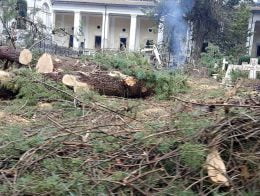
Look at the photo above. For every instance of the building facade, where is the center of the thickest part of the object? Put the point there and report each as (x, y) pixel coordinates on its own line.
(104, 24)
(97, 24)
(253, 42)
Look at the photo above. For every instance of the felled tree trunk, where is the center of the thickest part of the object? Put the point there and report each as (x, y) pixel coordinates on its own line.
(19, 56)
(83, 77)
(103, 82)
(48, 63)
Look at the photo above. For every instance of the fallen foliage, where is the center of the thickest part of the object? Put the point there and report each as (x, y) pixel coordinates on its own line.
(57, 142)
(100, 147)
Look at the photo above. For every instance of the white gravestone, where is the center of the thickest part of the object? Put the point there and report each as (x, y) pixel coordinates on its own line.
(224, 64)
(254, 64)
(253, 67)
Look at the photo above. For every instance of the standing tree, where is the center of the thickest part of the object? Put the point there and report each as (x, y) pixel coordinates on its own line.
(223, 22)
(232, 37)
(15, 20)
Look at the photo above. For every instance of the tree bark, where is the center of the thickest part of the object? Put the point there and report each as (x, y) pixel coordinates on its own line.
(19, 56)
(199, 35)
(105, 83)
(88, 76)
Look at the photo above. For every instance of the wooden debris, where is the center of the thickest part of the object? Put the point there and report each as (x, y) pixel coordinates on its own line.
(79, 87)
(5, 76)
(69, 80)
(104, 83)
(19, 56)
(45, 106)
(216, 168)
(25, 57)
(45, 64)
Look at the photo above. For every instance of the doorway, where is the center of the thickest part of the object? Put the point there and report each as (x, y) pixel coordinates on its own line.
(97, 42)
(123, 43)
(258, 51)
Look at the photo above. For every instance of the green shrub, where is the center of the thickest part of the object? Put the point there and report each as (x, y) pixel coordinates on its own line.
(237, 74)
(244, 59)
(193, 155)
(170, 83)
(33, 91)
(167, 144)
(211, 59)
(166, 83)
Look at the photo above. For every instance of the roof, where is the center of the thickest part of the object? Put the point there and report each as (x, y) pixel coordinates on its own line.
(110, 2)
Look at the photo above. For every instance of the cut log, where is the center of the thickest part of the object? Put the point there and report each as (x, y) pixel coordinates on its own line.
(23, 57)
(78, 87)
(5, 77)
(103, 82)
(83, 77)
(45, 64)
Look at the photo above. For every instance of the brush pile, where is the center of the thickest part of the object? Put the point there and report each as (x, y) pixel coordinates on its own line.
(237, 138)
(57, 140)
(125, 155)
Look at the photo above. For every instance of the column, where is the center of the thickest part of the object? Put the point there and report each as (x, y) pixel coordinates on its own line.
(132, 33)
(87, 32)
(53, 21)
(76, 30)
(105, 30)
(251, 38)
(53, 24)
(1, 24)
(160, 34)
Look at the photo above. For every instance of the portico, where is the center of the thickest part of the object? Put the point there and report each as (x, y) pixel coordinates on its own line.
(103, 26)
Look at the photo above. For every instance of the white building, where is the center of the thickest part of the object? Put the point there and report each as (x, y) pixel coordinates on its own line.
(98, 24)
(254, 28)
(106, 24)
(253, 43)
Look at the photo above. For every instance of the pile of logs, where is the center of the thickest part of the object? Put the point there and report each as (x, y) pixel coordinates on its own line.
(76, 75)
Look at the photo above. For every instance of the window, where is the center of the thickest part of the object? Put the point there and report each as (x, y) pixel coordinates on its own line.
(258, 51)
(150, 30)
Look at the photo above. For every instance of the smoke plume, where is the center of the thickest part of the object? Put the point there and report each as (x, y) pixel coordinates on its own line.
(177, 26)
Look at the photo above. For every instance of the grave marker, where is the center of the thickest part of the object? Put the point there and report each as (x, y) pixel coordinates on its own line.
(253, 67)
